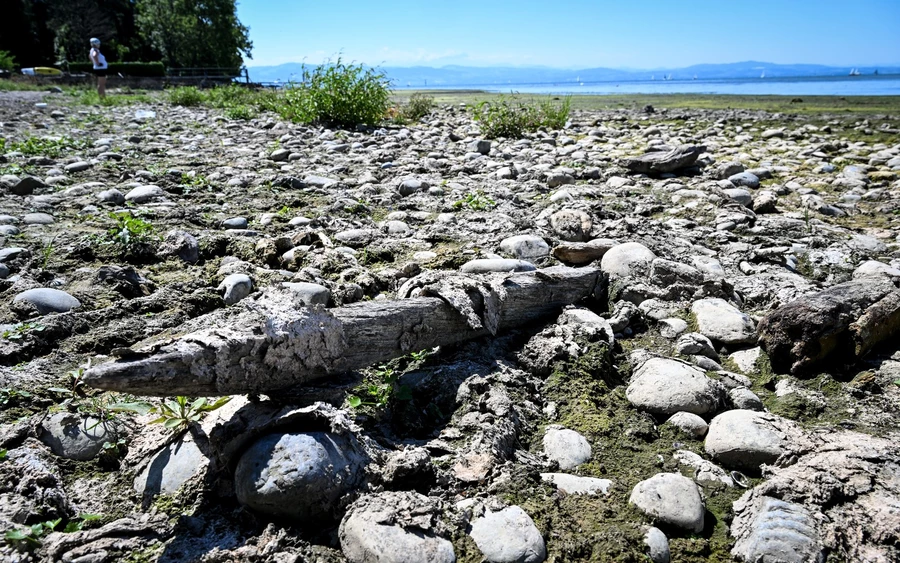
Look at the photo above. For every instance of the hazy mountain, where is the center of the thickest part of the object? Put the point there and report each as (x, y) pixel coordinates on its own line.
(454, 76)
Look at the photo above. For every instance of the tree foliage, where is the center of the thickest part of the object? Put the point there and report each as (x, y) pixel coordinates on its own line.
(182, 33)
(194, 33)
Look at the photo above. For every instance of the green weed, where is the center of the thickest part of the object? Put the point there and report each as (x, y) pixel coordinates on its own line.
(379, 387)
(419, 106)
(475, 200)
(187, 96)
(12, 397)
(50, 147)
(176, 414)
(511, 117)
(129, 231)
(20, 330)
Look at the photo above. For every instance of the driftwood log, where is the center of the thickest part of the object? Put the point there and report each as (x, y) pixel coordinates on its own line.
(269, 343)
(660, 162)
(837, 325)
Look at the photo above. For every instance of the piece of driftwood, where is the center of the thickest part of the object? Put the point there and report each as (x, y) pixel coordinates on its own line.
(662, 162)
(270, 343)
(837, 325)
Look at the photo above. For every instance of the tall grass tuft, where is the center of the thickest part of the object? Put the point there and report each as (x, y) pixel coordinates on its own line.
(187, 96)
(418, 106)
(512, 118)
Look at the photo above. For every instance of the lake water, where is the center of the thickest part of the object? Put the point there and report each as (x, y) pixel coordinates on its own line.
(870, 85)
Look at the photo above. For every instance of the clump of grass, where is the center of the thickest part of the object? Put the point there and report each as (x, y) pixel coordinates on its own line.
(475, 200)
(337, 94)
(511, 117)
(418, 106)
(51, 147)
(187, 96)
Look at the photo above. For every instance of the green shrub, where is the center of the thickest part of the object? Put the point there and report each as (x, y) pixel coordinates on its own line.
(337, 94)
(240, 112)
(187, 96)
(418, 106)
(7, 61)
(511, 117)
(125, 69)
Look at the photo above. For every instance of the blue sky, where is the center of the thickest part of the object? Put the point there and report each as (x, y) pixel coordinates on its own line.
(642, 34)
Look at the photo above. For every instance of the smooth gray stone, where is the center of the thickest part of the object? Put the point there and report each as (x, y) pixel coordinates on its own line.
(10, 253)
(740, 195)
(8, 220)
(744, 439)
(388, 528)
(279, 155)
(509, 536)
(410, 187)
(628, 259)
(77, 437)
(665, 386)
(235, 288)
(658, 545)
(4, 271)
(745, 180)
(396, 227)
(309, 293)
(9, 230)
(525, 247)
(235, 223)
(689, 423)
(47, 300)
(482, 146)
(319, 182)
(566, 447)
(171, 468)
(491, 265)
(111, 195)
(78, 166)
(143, 194)
(672, 499)
(301, 476)
(721, 321)
(38, 219)
(743, 398)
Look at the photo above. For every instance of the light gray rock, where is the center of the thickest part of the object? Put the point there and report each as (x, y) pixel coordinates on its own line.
(111, 195)
(9, 230)
(301, 476)
(874, 268)
(490, 265)
(704, 471)
(572, 225)
(396, 227)
(689, 423)
(279, 155)
(37, 219)
(743, 398)
(509, 536)
(657, 545)
(47, 300)
(746, 360)
(671, 328)
(235, 288)
(721, 321)
(740, 195)
(309, 294)
(671, 499)
(77, 437)
(725, 170)
(566, 447)
(744, 439)
(665, 386)
(394, 527)
(578, 253)
(575, 485)
(695, 343)
(143, 194)
(481, 146)
(410, 187)
(78, 166)
(11, 253)
(628, 259)
(171, 468)
(525, 247)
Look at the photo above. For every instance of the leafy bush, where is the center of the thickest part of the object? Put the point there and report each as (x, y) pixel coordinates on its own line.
(338, 94)
(418, 106)
(7, 61)
(187, 96)
(511, 117)
(126, 69)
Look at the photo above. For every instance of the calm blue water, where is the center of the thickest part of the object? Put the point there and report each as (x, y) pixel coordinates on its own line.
(884, 85)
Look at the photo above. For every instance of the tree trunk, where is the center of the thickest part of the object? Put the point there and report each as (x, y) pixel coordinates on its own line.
(269, 344)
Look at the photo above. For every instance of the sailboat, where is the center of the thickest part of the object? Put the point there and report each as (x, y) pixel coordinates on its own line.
(652, 77)
(763, 75)
(695, 77)
(854, 72)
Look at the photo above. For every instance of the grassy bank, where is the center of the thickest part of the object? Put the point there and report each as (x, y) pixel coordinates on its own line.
(863, 105)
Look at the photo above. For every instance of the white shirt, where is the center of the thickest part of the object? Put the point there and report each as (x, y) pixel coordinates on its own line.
(100, 59)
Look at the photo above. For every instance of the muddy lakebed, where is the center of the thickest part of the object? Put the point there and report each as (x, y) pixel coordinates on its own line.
(666, 334)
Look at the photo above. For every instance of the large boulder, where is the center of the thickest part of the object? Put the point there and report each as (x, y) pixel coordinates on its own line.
(628, 259)
(509, 536)
(837, 325)
(671, 499)
(665, 386)
(745, 439)
(662, 162)
(720, 321)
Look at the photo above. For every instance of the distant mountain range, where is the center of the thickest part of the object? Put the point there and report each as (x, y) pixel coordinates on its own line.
(495, 77)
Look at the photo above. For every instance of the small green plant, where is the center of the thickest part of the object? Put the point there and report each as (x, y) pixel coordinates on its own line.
(187, 96)
(418, 106)
(512, 118)
(475, 200)
(19, 331)
(195, 182)
(7, 61)
(74, 381)
(244, 113)
(12, 397)
(129, 231)
(379, 388)
(51, 147)
(3, 452)
(897, 382)
(176, 414)
(338, 94)
(47, 252)
(107, 407)
(30, 538)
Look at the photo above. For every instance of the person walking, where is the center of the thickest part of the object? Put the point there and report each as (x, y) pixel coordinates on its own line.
(100, 66)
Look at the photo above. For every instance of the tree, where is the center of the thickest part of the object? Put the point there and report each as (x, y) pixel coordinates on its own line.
(198, 33)
(75, 22)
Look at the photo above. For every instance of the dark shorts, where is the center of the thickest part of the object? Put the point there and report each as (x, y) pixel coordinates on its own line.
(100, 71)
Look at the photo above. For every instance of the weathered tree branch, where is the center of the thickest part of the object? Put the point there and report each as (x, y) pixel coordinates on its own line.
(270, 343)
